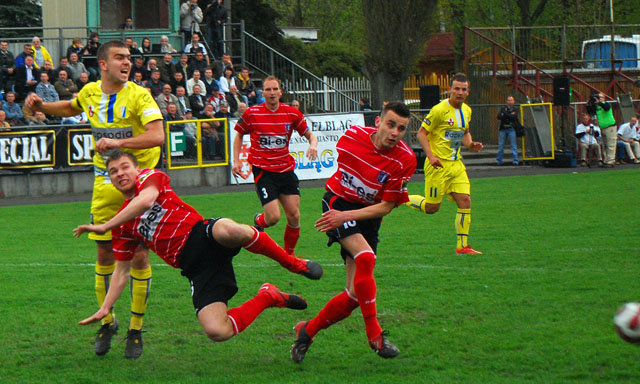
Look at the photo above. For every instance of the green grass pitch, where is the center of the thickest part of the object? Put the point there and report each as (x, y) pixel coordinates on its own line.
(561, 253)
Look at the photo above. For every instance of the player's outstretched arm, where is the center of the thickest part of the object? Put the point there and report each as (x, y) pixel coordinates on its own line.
(332, 219)
(119, 280)
(312, 152)
(62, 108)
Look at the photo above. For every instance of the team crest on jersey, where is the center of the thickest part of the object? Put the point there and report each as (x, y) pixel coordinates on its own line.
(383, 177)
(287, 127)
(451, 122)
(91, 108)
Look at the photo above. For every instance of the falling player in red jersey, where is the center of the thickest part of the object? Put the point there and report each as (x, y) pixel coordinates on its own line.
(374, 166)
(203, 249)
(270, 126)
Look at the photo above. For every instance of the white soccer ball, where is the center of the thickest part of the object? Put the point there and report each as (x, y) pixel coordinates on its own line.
(627, 321)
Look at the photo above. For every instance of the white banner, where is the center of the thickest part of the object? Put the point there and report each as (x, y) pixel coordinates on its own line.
(328, 128)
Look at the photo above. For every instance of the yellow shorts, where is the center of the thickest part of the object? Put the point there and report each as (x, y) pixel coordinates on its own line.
(105, 203)
(438, 182)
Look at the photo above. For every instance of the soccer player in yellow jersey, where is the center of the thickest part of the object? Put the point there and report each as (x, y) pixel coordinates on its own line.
(122, 115)
(443, 132)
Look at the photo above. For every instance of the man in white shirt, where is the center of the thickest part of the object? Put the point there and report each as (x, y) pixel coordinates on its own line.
(588, 134)
(628, 136)
(196, 80)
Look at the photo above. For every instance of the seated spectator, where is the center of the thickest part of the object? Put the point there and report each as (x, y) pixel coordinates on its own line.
(190, 134)
(171, 114)
(145, 47)
(46, 90)
(64, 65)
(183, 66)
(132, 46)
(213, 140)
(76, 67)
(167, 69)
(178, 81)
(26, 78)
(234, 98)
(196, 46)
(183, 100)
(137, 78)
(152, 65)
(242, 107)
(224, 111)
(91, 63)
(12, 109)
(166, 98)
(227, 63)
(165, 47)
(588, 134)
(48, 68)
(4, 124)
(226, 80)
(198, 63)
(39, 119)
(82, 81)
(295, 104)
(65, 86)
(127, 25)
(139, 67)
(154, 84)
(40, 53)
(197, 102)
(7, 66)
(627, 136)
(75, 47)
(210, 83)
(195, 80)
(246, 87)
(20, 59)
(216, 99)
(74, 120)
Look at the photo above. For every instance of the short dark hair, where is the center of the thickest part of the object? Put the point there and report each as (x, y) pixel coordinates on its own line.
(103, 51)
(117, 154)
(398, 107)
(461, 77)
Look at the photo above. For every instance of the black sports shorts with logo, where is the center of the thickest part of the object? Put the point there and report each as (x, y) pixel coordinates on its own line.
(368, 228)
(270, 185)
(207, 265)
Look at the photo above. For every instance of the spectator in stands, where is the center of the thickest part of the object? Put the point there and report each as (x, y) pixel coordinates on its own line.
(183, 66)
(216, 99)
(226, 80)
(216, 16)
(77, 119)
(7, 66)
(178, 81)
(4, 124)
(39, 118)
(190, 133)
(137, 78)
(295, 104)
(82, 81)
(154, 84)
(364, 104)
(242, 107)
(588, 134)
(246, 87)
(165, 47)
(165, 98)
(193, 81)
(198, 63)
(46, 90)
(76, 67)
(234, 98)
(12, 109)
(92, 50)
(26, 78)
(40, 53)
(152, 65)
(195, 45)
(49, 70)
(167, 68)
(132, 46)
(65, 86)
(75, 47)
(171, 114)
(508, 117)
(64, 65)
(197, 101)
(627, 135)
(226, 62)
(139, 67)
(211, 136)
(190, 18)
(183, 100)
(127, 25)
(20, 59)
(145, 47)
(209, 82)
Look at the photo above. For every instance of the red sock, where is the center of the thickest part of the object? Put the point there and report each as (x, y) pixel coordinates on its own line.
(260, 221)
(263, 244)
(365, 286)
(244, 315)
(338, 308)
(291, 236)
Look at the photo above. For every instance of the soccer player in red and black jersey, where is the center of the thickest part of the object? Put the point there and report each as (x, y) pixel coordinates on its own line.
(203, 249)
(374, 167)
(270, 126)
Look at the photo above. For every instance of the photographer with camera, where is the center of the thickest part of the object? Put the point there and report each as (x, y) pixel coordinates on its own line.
(602, 109)
(190, 18)
(508, 117)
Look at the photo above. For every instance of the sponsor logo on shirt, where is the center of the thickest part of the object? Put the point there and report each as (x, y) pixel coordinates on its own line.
(274, 142)
(112, 133)
(351, 182)
(149, 221)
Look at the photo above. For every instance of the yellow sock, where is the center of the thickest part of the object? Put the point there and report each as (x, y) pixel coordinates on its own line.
(103, 278)
(140, 285)
(463, 222)
(416, 202)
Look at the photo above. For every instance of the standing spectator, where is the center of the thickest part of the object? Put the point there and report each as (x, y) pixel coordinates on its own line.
(198, 63)
(4, 124)
(270, 126)
(12, 109)
(209, 82)
(216, 17)
(197, 102)
(193, 81)
(190, 18)
(64, 65)
(46, 90)
(183, 100)
(20, 59)
(26, 78)
(76, 67)
(7, 65)
(167, 69)
(154, 84)
(75, 47)
(627, 135)
(92, 50)
(234, 99)
(607, 124)
(226, 80)
(588, 135)
(508, 117)
(127, 25)
(40, 53)
(246, 87)
(178, 81)
(65, 86)
(166, 98)
(165, 47)
(82, 81)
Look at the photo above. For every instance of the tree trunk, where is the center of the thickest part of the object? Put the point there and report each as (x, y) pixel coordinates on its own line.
(385, 87)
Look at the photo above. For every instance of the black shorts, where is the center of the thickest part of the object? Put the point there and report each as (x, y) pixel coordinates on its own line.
(207, 265)
(270, 185)
(367, 228)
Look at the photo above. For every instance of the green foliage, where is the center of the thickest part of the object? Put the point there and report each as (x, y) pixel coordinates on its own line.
(20, 13)
(260, 20)
(327, 58)
(537, 307)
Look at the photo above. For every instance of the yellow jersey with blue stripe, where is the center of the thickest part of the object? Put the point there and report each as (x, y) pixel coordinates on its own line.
(446, 126)
(119, 116)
